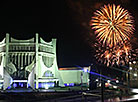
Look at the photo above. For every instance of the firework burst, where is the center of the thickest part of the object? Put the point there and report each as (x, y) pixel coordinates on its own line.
(118, 55)
(113, 25)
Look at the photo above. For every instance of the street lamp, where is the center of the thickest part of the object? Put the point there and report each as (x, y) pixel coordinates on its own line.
(135, 74)
(128, 76)
(108, 81)
(130, 68)
(134, 62)
(117, 81)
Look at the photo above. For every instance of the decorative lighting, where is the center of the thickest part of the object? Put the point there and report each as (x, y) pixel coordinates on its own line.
(135, 74)
(117, 81)
(46, 86)
(130, 63)
(115, 87)
(85, 70)
(130, 68)
(108, 81)
(134, 62)
(96, 80)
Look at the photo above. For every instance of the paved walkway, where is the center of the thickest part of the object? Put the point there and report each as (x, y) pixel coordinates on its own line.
(71, 96)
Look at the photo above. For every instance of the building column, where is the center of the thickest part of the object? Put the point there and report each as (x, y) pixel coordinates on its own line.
(32, 57)
(29, 59)
(25, 56)
(19, 60)
(7, 49)
(12, 58)
(6, 62)
(15, 58)
(37, 66)
(22, 59)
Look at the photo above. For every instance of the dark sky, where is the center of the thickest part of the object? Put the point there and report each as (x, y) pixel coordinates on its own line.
(66, 20)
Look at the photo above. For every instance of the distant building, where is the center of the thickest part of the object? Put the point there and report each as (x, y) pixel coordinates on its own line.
(33, 63)
(75, 76)
(133, 74)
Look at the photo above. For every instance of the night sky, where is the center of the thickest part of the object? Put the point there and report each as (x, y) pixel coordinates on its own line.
(66, 20)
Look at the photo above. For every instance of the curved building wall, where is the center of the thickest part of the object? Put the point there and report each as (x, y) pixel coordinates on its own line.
(33, 60)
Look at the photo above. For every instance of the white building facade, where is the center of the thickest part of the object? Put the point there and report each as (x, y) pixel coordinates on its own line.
(30, 63)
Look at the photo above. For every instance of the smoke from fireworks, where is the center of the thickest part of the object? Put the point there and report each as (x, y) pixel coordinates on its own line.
(113, 25)
(113, 28)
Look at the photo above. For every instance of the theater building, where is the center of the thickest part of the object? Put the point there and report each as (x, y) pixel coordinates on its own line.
(33, 63)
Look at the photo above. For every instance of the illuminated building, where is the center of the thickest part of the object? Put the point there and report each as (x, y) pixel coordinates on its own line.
(31, 63)
(73, 76)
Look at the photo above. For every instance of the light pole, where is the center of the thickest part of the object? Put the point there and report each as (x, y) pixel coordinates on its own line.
(102, 86)
(128, 80)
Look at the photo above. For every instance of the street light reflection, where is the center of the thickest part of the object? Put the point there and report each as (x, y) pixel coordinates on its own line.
(134, 90)
(134, 97)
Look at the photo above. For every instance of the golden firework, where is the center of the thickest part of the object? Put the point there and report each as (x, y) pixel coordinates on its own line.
(113, 25)
(118, 55)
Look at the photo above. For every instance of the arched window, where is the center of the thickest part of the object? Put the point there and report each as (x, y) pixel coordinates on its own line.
(48, 73)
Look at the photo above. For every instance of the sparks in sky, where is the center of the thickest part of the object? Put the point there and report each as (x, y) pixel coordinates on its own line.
(118, 55)
(113, 25)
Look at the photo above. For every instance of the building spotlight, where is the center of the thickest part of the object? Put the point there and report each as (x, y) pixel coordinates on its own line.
(46, 86)
(85, 70)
